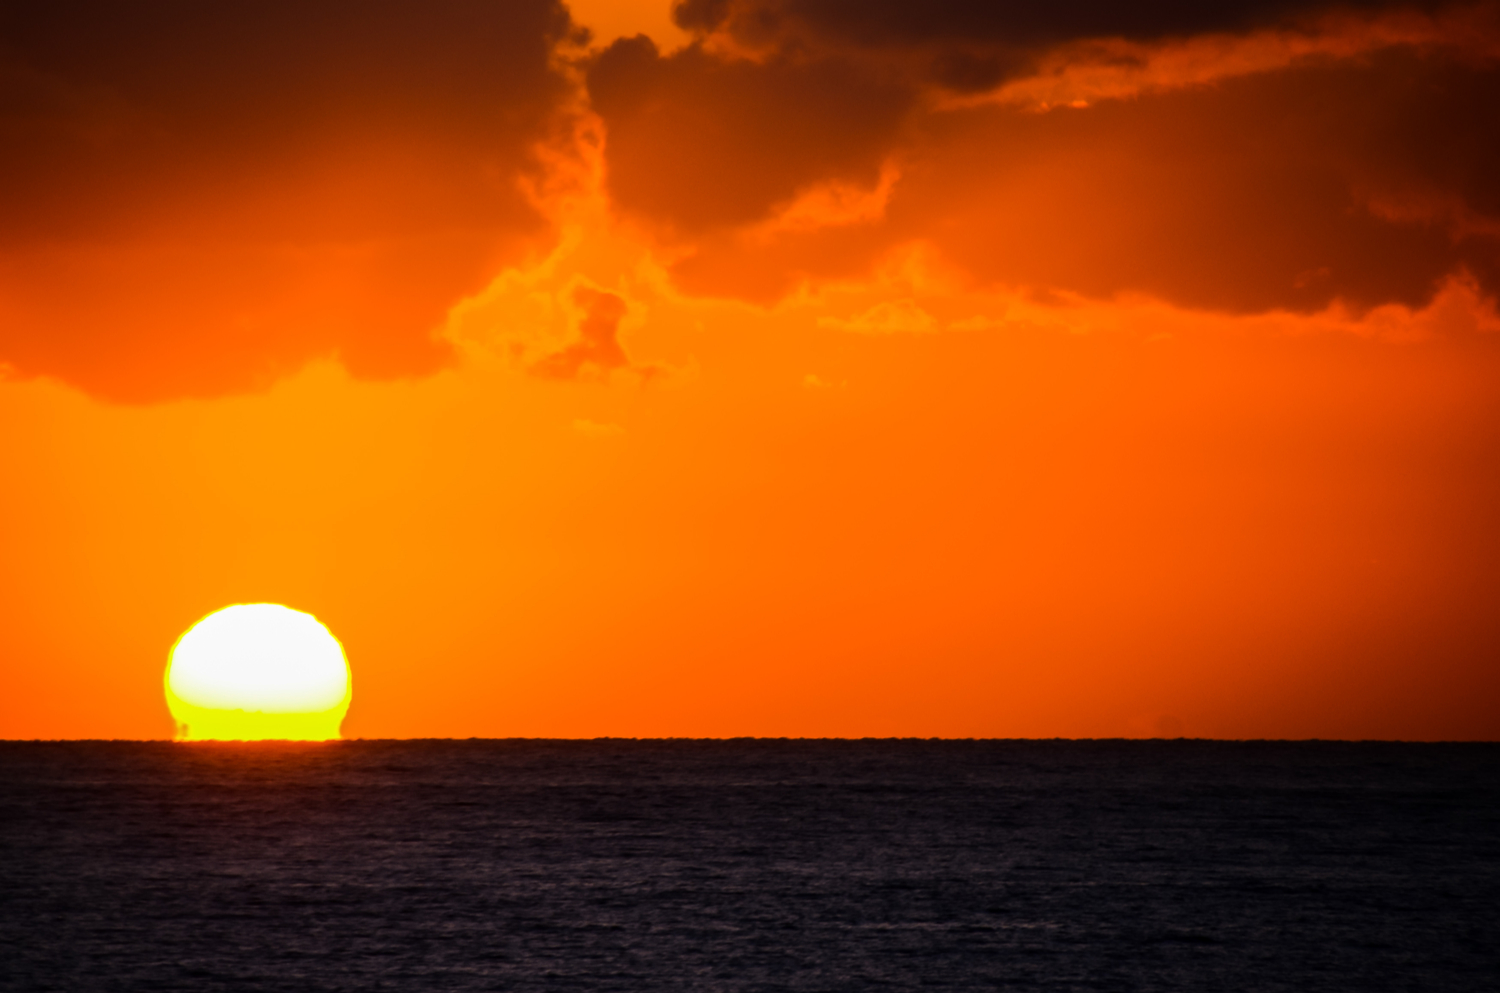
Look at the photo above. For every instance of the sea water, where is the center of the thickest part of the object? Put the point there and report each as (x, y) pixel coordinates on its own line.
(750, 865)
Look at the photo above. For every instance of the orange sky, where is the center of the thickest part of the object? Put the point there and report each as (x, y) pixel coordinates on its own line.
(797, 368)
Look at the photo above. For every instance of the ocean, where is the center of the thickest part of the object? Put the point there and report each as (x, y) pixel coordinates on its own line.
(749, 865)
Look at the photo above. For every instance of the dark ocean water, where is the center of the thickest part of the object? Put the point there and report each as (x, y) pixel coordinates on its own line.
(749, 865)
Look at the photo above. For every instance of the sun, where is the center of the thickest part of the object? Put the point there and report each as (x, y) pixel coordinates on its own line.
(256, 671)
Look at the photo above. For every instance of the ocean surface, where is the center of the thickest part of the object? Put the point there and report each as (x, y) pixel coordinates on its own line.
(750, 865)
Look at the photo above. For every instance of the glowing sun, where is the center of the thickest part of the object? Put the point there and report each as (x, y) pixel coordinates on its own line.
(256, 671)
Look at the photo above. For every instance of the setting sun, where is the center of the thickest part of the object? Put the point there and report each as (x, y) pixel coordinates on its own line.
(258, 671)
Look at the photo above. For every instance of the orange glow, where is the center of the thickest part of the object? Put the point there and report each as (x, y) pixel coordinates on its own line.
(776, 373)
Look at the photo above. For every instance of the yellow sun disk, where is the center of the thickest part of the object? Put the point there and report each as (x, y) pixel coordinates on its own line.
(208, 724)
(256, 672)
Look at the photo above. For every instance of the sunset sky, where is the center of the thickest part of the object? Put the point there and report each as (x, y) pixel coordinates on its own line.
(759, 367)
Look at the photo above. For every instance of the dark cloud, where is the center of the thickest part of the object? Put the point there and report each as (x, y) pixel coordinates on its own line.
(1263, 192)
(1365, 178)
(701, 142)
(972, 45)
(904, 24)
(194, 197)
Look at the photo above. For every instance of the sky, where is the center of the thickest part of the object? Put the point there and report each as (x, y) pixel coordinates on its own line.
(759, 367)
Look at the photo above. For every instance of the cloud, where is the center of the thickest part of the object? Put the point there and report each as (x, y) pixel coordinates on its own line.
(598, 347)
(196, 198)
(700, 142)
(1081, 72)
(1213, 156)
(886, 317)
(1262, 192)
(1086, 48)
(973, 44)
(812, 381)
(597, 429)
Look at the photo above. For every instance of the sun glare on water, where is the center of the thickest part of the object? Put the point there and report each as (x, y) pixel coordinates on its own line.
(258, 671)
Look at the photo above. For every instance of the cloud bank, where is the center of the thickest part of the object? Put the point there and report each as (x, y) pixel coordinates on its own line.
(196, 198)
(1240, 157)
